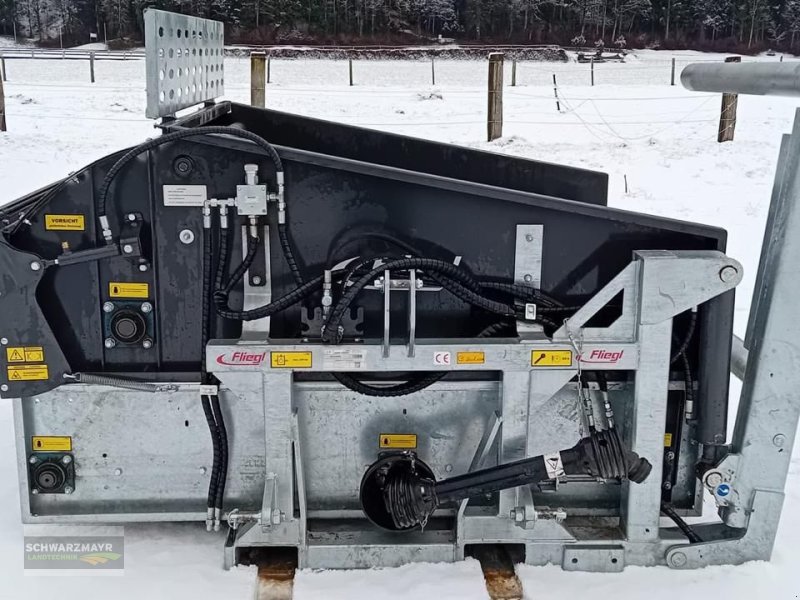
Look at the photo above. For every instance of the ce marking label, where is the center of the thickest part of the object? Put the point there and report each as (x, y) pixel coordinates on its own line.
(442, 359)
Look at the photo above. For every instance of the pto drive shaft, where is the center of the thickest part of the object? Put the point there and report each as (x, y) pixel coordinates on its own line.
(399, 492)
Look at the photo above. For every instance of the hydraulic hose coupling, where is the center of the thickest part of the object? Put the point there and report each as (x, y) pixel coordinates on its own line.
(253, 226)
(107, 236)
(223, 215)
(206, 216)
(281, 199)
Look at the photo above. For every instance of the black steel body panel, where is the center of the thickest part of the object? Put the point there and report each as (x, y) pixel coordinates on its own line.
(341, 183)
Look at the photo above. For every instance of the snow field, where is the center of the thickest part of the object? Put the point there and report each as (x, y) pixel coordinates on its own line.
(657, 142)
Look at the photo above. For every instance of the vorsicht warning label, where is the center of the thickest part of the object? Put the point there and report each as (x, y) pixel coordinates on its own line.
(64, 222)
(28, 373)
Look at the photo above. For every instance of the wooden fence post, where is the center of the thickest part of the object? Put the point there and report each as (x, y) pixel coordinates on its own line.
(351, 71)
(2, 104)
(91, 66)
(495, 115)
(433, 71)
(727, 118)
(672, 77)
(591, 66)
(514, 73)
(258, 78)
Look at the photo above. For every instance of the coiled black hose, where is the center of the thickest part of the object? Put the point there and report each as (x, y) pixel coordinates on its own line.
(430, 265)
(267, 310)
(417, 383)
(222, 475)
(205, 400)
(102, 196)
(288, 253)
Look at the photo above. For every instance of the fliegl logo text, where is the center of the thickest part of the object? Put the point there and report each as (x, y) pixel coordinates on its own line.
(241, 358)
(602, 356)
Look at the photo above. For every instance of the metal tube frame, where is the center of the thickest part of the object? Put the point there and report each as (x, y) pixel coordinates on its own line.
(657, 286)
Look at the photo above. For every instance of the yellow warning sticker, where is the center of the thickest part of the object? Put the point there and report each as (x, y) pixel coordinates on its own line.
(290, 360)
(22, 355)
(398, 441)
(128, 290)
(667, 440)
(64, 222)
(470, 358)
(28, 373)
(51, 443)
(551, 358)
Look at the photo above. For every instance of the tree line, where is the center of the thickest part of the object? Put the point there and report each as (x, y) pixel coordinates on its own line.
(733, 25)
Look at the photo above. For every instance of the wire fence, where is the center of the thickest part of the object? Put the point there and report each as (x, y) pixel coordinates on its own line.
(607, 110)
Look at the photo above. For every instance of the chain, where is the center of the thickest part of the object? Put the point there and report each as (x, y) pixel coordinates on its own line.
(584, 399)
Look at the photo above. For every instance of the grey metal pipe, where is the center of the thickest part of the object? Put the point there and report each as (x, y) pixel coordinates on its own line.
(754, 78)
(739, 356)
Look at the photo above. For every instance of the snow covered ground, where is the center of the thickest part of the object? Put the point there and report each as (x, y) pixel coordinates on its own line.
(657, 142)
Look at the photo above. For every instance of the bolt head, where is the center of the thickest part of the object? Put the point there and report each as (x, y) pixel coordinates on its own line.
(68, 489)
(34, 491)
(528, 278)
(127, 249)
(146, 307)
(256, 280)
(109, 343)
(108, 307)
(728, 273)
(779, 440)
(3, 388)
(186, 236)
(4, 341)
(36, 266)
(678, 559)
(528, 237)
(117, 472)
(131, 217)
(143, 268)
(33, 460)
(147, 344)
(66, 460)
(713, 478)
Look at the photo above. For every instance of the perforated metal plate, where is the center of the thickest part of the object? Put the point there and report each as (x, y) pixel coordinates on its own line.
(185, 57)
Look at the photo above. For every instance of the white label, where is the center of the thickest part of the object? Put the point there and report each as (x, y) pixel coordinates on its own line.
(345, 359)
(554, 466)
(209, 390)
(442, 359)
(185, 195)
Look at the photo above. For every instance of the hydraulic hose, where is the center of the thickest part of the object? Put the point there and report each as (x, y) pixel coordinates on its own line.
(205, 400)
(103, 193)
(222, 476)
(288, 253)
(267, 310)
(417, 383)
(332, 334)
